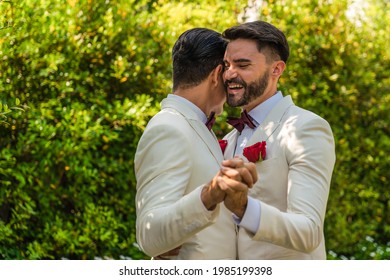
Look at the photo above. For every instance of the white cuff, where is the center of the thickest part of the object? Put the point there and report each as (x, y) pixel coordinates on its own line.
(251, 219)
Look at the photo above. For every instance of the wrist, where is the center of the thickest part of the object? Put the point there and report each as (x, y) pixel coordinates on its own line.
(240, 212)
(207, 198)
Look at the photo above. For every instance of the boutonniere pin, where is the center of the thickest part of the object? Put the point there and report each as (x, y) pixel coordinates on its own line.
(223, 145)
(256, 152)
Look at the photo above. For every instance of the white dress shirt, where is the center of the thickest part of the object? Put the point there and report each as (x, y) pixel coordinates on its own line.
(251, 218)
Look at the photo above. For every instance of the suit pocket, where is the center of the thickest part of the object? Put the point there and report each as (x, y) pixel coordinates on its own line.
(271, 186)
(267, 164)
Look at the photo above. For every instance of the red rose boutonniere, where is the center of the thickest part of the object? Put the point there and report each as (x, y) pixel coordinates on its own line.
(223, 145)
(255, 152)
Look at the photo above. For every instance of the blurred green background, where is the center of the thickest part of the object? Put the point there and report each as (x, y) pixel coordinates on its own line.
(79, 79)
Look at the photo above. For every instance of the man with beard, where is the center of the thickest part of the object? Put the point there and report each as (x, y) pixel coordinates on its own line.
(283, 215)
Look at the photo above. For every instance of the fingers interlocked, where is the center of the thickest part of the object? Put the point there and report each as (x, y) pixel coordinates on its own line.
(246, 171)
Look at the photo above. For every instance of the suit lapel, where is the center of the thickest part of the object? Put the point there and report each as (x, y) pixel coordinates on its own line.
(232, 142)
(208, 137)
(272, 122)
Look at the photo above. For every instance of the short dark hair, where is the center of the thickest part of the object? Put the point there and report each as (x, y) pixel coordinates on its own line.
(196, 53)
(267, 37)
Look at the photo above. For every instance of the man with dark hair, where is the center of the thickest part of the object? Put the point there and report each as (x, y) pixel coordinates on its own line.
(283, 215)
(195, 55)
(179, 167)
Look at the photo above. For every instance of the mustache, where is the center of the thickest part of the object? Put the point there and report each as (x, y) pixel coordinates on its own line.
(236, 81)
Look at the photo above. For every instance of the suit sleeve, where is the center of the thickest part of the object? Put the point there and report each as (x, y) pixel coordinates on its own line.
(310, 154)
(166, 214)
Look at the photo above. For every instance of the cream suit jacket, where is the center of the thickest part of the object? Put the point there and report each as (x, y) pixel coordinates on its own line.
(293, 185)
(175, 157)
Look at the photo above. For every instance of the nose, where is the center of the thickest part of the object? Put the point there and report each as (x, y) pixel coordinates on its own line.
(229, 73)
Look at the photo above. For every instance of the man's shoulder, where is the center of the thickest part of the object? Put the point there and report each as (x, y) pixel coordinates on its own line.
(166, 125)
(301, 117)
(168, 116)
(303, 113)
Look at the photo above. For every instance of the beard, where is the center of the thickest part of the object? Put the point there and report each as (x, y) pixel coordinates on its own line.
(251, 91)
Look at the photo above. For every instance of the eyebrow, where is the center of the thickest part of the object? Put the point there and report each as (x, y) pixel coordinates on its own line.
(240, 60)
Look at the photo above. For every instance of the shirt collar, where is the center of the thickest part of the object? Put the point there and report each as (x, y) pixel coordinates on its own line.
(202, 116)
(260, 112)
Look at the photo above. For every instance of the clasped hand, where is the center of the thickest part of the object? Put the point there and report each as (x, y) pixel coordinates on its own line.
(230, 185)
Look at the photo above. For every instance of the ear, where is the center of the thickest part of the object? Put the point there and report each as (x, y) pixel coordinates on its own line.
(215, 75)
(278, 68)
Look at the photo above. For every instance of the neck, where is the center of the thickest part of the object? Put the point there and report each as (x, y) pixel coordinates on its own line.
(197, 95)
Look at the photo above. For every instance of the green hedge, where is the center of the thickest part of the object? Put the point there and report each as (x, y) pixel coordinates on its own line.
(79, 80)
(67, 180)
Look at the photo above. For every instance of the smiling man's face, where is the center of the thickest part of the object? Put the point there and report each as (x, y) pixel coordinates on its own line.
(246, 75)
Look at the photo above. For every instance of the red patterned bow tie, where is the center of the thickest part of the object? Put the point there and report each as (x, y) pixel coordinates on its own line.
(210, 121)
(239, 123)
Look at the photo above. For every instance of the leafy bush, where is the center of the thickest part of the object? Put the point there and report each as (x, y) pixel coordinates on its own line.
(79, 80)
(89, 75)
(67, 163)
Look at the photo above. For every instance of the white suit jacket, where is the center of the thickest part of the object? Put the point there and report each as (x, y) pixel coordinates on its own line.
(293, 185)
(175, 157)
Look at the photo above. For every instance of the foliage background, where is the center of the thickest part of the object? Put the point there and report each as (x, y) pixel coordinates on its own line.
(80, 79)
